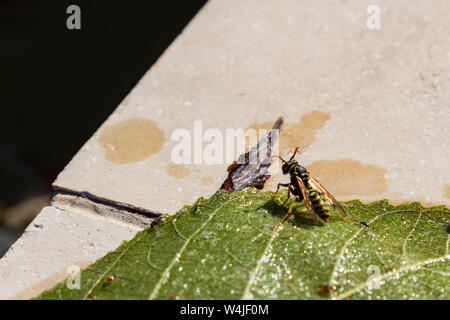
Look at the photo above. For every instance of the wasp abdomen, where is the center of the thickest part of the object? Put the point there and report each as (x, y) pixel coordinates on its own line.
(319, 203)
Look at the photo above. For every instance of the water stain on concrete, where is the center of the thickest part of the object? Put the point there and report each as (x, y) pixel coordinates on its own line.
(177, 171)
(46, 284)
(206, 181)
(303, 133)
(347, 177)
(131, 140)
(446, 190)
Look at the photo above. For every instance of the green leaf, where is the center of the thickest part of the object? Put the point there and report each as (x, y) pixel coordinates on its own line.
(225, 248)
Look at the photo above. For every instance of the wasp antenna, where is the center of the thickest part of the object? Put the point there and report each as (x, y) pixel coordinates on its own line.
(295, 152)
(277, 156)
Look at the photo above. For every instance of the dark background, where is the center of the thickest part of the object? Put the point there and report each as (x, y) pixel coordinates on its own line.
(59, 85)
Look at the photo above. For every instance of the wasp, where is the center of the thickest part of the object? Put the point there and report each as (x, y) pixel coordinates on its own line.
(305, 187)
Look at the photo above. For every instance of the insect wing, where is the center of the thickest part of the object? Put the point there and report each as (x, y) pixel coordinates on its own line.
(316, 185)
(307, 199)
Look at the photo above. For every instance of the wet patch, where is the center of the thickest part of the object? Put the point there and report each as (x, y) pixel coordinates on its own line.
(346, 177)
(303, 133)
(177, 171)
(206, 181)
(446, 190)
(131, 140)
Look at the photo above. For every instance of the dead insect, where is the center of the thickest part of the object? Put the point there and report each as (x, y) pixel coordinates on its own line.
(305, 187)
(110, 278)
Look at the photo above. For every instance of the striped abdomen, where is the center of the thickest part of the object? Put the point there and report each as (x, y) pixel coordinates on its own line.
(320, 204)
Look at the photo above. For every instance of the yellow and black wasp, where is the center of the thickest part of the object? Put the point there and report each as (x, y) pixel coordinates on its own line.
(305, 187)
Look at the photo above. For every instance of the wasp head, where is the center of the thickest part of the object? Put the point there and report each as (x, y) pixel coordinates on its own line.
(289, 165)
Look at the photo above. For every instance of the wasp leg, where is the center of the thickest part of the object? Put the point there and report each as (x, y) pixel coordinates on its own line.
(280, 185)
(288, 195)
(289, 186)
(286, 215)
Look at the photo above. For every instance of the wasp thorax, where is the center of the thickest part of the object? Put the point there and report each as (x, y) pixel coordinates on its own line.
(301, 170)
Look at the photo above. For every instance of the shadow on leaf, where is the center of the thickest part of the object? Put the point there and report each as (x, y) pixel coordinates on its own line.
(301, 217)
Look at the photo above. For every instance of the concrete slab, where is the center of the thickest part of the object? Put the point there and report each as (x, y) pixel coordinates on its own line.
(370, 108)
(55, 244)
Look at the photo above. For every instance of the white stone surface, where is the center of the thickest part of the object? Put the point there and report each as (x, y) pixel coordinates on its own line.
(238, 63)
(54, 241)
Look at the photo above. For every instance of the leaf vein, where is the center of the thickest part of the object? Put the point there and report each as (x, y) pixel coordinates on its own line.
(341, 253)
(109, 269)
(409, 236)
(254, 273)
(166, 272)
(387, 275)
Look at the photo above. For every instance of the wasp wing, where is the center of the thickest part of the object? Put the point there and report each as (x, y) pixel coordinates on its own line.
(307, 199)
(316, 185)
